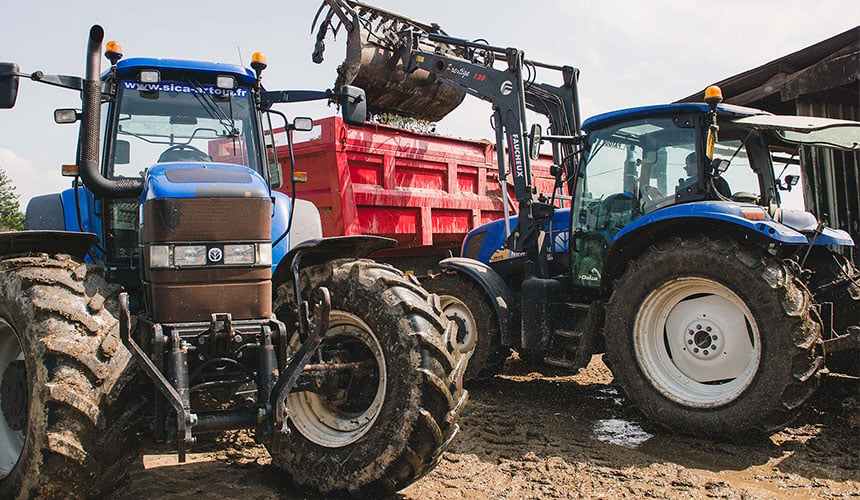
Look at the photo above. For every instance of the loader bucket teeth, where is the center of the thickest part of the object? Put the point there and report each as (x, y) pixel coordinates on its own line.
(373, 63)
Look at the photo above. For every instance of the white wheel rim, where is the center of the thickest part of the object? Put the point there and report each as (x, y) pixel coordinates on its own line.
(11, 440)
(325, 423)
(467, 329)
(697, 342)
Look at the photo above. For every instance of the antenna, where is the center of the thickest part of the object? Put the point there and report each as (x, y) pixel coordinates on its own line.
(239, 50)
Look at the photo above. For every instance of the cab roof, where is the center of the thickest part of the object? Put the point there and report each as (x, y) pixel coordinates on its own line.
(728, 110)
(133, 65)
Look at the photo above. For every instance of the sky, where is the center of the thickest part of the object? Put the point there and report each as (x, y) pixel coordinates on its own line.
(629, 53)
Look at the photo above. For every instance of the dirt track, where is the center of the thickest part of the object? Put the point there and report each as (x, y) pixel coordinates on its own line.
(526, 435)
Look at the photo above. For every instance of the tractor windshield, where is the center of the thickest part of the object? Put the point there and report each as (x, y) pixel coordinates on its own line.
(181, 121)
(636, 167)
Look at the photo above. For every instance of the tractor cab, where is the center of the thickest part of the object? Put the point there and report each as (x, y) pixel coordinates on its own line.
(647, 164)
(177, 125)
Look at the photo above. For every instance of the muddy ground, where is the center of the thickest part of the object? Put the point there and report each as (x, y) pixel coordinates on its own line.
(529, 435)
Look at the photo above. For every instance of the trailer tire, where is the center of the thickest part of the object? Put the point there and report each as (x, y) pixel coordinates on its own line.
(391, 427)
(68, 414)
(478, 335)
(711, 338)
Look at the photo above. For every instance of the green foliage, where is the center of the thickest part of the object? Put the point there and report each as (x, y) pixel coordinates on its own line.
(413, 124)
(11, 216)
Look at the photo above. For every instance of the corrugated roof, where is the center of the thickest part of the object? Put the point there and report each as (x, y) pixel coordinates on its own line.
(849, 42)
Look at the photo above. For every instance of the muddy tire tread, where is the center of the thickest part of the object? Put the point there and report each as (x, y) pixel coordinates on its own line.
(783, 301)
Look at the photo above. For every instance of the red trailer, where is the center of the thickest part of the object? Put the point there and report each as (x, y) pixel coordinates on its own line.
(424, 190)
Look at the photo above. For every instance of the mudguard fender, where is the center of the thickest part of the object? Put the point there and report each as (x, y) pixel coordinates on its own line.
(316, 251)
(496, 289)
(75, 244)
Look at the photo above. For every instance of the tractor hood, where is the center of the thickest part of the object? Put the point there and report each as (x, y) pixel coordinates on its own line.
(808, 130)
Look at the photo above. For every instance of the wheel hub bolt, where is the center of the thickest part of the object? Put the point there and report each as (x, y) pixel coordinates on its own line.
(702, 339)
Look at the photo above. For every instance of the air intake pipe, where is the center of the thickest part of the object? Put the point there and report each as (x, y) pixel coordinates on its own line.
(88, 140)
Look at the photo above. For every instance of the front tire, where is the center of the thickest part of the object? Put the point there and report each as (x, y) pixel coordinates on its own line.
(478, 336)
(710, 338)
(68, 420)
(380, 429)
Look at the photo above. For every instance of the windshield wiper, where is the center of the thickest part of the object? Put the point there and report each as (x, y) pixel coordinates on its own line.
(214, 111)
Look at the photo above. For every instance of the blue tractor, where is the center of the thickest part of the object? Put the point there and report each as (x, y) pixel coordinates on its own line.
(716, 307)
(171, 291)
(672, 253)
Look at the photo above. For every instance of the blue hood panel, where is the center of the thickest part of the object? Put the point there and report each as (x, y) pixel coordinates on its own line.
(203, 180)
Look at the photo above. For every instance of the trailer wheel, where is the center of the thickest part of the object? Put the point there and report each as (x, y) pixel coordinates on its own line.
(380, 428)
(478, 336)
(710, 338)
(67, 414)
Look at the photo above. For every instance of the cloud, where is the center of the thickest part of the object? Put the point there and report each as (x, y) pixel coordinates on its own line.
(30, 181)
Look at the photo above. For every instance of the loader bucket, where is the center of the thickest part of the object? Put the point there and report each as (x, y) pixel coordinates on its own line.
(379, 71)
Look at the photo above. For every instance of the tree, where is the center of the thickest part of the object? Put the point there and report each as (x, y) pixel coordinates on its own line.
(10, 209)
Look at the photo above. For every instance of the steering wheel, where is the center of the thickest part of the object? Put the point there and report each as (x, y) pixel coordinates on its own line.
(183, 152)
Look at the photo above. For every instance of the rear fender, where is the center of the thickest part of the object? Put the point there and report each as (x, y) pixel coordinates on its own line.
(686, 220)
(496, 289)
(744, 216)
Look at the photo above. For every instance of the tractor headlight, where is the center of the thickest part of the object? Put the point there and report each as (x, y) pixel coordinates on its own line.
(189, 255)
(215, 254)
(160, 256)
(239, 254)
(264, 254)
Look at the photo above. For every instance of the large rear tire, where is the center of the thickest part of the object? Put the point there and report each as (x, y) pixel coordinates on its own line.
(382, 428)
(67, 426)
(478, 336)
(710, 338)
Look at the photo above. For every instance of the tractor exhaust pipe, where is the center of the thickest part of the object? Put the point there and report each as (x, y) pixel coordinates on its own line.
(88, 140)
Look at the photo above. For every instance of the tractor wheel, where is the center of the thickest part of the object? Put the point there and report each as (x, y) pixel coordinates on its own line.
(710, 338)
(68, 419)
(478, 336)
(375, 430)
(828, 268)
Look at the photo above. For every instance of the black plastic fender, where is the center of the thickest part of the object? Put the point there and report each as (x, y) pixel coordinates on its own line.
(316, 251)
(494, 286)
(75, 244)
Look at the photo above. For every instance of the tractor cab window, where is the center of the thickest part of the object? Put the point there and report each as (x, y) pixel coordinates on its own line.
(630, 169)
(739, 176)
(182, 121)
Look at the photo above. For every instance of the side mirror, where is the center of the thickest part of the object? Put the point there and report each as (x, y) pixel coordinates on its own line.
(719, 166)
(535, 135)
(790, 181)
(121, 152)
(303, 124)
(8, 85)
(66, 115)
(353, 105)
